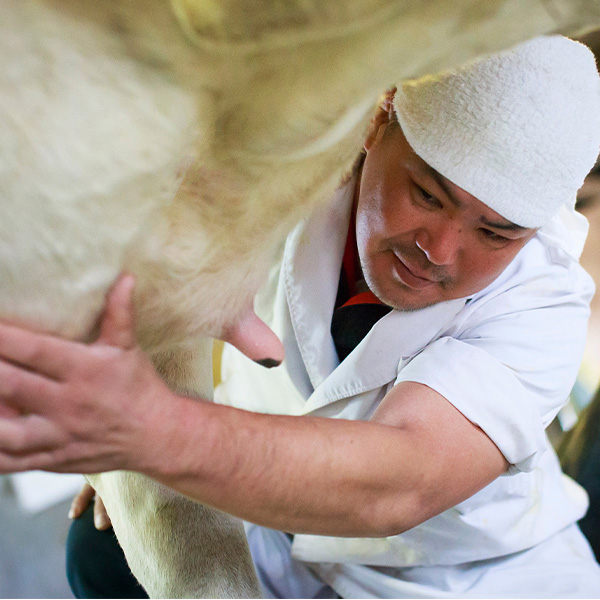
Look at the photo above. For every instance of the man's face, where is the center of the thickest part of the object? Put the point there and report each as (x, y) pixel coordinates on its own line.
(422, 239)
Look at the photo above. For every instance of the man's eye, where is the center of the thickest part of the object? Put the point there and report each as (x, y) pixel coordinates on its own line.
(493, 236)
(427, 197)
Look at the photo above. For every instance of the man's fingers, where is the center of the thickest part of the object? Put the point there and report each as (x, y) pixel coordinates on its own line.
(12, 436)
(101, 519)
(118, 326)
(7, 412)
(81, 501)
(22, 437)
(37, 351)
(12, 464)
(55, 357)
(22, 391)
(34, 443)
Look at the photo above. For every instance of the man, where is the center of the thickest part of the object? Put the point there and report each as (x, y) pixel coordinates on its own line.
(430, 475)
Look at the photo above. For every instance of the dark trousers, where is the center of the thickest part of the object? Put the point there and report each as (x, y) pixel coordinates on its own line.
(96, 565)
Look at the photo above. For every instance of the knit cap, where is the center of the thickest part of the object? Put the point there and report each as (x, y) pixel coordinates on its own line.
(519, 130)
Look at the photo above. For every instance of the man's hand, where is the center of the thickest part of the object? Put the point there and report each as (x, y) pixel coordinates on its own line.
(72, 407)
(82, 501)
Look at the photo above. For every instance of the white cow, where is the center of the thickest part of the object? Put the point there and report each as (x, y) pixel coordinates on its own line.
(181, 141)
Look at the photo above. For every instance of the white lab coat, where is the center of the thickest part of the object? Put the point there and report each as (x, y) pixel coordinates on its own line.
(506, 358)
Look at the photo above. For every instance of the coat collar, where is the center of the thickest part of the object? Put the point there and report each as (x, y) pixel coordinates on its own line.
(311, 269)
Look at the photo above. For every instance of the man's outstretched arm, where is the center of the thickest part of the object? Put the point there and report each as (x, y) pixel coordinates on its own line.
(69, 407)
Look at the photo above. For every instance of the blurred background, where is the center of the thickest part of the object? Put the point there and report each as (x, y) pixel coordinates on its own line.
(34, 526)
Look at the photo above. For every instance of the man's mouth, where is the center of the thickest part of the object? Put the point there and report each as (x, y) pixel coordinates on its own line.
(411, 275)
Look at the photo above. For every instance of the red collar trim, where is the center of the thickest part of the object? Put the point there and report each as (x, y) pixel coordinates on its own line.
(351, 267)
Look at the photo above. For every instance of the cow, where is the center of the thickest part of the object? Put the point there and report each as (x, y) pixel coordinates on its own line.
(181, 141)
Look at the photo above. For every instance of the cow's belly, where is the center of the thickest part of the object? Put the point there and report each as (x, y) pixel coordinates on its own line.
(91, 144)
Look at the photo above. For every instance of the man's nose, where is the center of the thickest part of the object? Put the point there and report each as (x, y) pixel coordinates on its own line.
(441, 243)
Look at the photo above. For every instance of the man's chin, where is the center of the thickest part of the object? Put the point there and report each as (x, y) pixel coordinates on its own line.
(394, 292)
(406, 300)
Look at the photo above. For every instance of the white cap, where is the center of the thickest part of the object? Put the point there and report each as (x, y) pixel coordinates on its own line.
(519, 130)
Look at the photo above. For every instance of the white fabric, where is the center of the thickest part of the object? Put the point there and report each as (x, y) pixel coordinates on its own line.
(506, 358)
(562, 567)
(537, 104)
(279, 575)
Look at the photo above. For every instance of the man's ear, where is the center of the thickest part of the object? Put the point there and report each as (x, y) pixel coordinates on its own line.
(383, 117)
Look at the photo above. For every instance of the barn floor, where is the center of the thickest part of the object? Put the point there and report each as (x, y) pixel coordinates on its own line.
(32, 563)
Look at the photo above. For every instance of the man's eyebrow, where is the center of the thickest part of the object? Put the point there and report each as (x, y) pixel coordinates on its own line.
(443, 183)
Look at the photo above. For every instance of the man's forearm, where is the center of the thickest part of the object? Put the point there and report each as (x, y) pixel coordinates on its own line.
(329, 476)
(297, 474)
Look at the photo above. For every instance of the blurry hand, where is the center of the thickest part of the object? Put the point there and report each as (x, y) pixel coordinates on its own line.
(82, 501)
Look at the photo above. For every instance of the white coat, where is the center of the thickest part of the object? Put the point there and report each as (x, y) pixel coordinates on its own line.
(506, 358)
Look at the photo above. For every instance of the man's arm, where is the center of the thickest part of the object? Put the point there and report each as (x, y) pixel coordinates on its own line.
(418, 457)
(102, 407)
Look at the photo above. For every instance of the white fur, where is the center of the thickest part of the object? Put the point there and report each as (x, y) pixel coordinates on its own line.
(186, 158)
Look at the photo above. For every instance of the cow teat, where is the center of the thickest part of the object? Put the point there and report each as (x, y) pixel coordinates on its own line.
(254, 338)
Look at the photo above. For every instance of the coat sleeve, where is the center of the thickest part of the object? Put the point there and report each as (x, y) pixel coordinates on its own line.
(510, 366)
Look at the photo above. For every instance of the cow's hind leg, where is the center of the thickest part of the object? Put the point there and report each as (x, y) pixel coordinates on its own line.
(175, 547)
